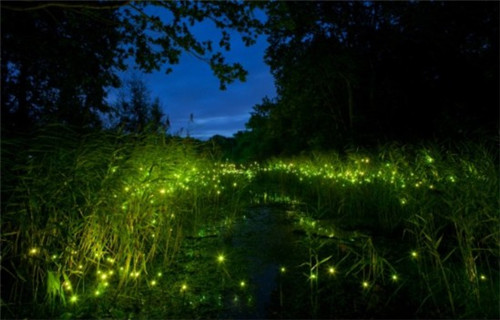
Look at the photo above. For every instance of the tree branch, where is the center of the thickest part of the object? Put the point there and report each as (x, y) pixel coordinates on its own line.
(68, 5)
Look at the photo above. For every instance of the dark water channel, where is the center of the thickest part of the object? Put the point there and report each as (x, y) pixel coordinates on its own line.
(270, 256)
(265, 242)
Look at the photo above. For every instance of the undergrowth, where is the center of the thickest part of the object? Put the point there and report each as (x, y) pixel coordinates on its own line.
(94, 218)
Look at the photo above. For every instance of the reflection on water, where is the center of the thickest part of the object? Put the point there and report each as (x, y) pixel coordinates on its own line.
(262, 241)
(270, 263)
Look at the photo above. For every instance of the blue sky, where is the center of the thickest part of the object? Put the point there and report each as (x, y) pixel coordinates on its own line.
(192, 88)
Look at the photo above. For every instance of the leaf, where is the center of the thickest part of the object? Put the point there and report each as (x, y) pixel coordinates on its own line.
(67, 315)
(324, 260)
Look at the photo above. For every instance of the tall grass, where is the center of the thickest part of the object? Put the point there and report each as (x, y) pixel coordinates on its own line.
(97, 214)
(442, 203)
(90, 213)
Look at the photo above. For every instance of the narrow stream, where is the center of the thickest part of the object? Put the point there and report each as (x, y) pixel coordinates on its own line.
(277, 264)
(270, 263)
(265, 242)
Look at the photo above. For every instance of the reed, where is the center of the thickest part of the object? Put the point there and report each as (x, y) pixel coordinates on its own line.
(92, 218)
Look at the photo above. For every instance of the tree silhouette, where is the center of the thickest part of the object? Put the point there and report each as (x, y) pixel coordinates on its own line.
(136, 112)
(58, 58)
(366, 72)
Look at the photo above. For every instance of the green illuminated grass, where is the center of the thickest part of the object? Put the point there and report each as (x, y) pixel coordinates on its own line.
(100, 221)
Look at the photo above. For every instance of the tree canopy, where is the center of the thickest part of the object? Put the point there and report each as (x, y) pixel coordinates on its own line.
(347, 72)
(364, 72)
(58, 58)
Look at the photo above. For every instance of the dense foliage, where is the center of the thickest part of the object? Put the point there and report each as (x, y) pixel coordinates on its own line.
(95, 224)
(350, 73)
(120, 220)
(57, 68)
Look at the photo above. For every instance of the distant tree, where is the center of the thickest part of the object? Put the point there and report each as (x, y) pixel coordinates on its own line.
(220, 148)
(361, 72)
(246, 148)
(55, 66)
(135, 111)
(58, 58)
(266, 134)
(158, 122)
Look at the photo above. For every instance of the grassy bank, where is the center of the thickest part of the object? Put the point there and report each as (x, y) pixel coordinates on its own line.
(97, 220)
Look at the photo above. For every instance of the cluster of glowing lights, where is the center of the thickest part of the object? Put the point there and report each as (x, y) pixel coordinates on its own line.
(226, 177)
(361, 171)
(218, 179)
(67, 286)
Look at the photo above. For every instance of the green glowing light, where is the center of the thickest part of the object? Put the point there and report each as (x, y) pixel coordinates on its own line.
(394, 277)
(414, 254)
(242, 284)
(153, 283)
(365, 284)
(331, 270)
(34, 251)
(221, 258)
(73, 298)
(483, 277)
(282, 269)
(67, 286)
(184, 287)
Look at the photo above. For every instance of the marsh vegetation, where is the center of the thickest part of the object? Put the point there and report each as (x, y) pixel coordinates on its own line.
(113, 226)
(366, 187)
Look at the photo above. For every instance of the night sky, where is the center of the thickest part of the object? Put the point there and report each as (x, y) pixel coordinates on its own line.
(192, 88)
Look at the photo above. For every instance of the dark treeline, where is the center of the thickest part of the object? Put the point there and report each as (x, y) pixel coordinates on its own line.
(60, 58)
(351, 73)
(347, 73)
